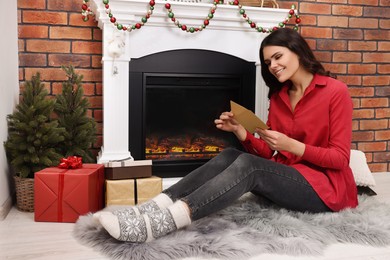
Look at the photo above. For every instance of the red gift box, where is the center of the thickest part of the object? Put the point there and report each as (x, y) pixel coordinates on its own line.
(62, 195)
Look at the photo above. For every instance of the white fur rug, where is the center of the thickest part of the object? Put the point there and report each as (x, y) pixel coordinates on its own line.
(250, 227)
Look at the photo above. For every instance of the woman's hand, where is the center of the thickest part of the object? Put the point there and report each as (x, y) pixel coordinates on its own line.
(281, 142)
(227, 123)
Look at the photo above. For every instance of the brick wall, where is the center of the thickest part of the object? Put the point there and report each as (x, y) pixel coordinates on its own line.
(350, 37)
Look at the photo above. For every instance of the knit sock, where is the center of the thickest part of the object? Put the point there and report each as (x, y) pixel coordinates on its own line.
(159, 202)
(146, 227)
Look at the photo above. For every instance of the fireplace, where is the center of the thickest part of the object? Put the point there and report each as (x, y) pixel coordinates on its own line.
(173, 106)
(228, 33)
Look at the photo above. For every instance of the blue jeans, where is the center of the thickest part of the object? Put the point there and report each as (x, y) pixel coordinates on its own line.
(225, 178)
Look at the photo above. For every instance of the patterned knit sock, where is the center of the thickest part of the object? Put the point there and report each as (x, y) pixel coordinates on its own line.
(146, 227)
(159, 202)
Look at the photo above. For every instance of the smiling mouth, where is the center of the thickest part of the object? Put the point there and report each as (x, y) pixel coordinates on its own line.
(278, 72)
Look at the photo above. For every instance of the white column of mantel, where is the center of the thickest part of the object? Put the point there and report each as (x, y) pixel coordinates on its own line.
(115, 96)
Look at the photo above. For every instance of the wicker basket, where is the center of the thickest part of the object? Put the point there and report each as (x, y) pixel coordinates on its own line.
(24, 193)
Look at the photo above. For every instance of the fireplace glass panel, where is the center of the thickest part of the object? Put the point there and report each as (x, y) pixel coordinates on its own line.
(180, 112)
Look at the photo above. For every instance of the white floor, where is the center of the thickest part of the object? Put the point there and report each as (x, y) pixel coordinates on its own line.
(22, 238)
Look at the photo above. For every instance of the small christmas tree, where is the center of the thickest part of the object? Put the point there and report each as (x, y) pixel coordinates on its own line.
(32, 134)
(71, 108)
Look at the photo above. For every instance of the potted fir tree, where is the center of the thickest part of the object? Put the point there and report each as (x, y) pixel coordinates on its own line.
(71, 108)
(32, 139)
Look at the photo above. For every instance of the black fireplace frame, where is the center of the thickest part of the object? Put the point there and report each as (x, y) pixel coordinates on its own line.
(185, 62)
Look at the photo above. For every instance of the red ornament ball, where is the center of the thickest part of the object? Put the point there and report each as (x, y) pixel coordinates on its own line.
(291, 12)
(298, 20)
(84, 7)
(138, 25)
(152, 3)
(235, 2)
(113, 19)
(253, 25)
(184, 27)
(168, 6)
(206, 22)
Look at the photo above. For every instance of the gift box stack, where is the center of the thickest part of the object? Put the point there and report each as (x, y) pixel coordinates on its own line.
(130, 182)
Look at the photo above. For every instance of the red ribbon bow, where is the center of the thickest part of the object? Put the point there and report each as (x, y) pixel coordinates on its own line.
(71, 162)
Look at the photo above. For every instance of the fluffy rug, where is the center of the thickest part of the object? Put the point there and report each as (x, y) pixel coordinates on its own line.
(250, 227)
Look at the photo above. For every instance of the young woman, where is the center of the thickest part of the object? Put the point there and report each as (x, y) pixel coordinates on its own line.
(301, 163)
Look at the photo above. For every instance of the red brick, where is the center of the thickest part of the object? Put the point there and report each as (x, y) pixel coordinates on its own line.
(99, 128)
(363, 136)
(374, 102)
(28, 4)
(98, 115)
(355, 125)
(21, 74)
(384, 2)
(48, 46)
(363, 23)
(348, 10)
(347, 57)
(56, 88)
(96, 61)
(309, 19)
(361, 91)
(323, 56)
(87, 47)
(351, 80)
(384, 24)
(94, 75)
(384, 69)
(329, 44)
(97, 34)
(372, 146)
(315, 8)
(56, 60)
(382, 113)
(336, 68)
(32, 60)
(382, 157)
(363, 113)
(75, 19)
(21, 45)
(70, 33)
(89, 89)
(47, 74)
(95, 102)
(361, 68)
(312, 43)
(61, 5)
(363, 2)
(382, 135)
(376, 35)
(373, 124)
(19, 16)
(33, 31)
(99, 89)
(376, 12)
(376, 57)
(332, 1)
(378, 167)
(332, 21)
(362, 46)
(45, 17)
(384, 46)
(383, 91)
(376, 80)
(315, 32)
(352, 34)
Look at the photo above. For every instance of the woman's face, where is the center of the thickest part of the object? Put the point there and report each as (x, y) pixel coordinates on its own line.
(281, 62)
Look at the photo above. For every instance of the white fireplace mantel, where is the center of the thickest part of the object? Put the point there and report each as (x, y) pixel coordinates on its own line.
(227, 32)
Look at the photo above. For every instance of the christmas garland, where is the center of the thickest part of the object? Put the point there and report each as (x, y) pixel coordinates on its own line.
(86, 12)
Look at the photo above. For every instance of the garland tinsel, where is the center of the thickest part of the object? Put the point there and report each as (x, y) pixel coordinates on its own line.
(86, 12)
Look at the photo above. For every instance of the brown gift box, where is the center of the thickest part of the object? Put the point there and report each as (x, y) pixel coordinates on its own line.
(134, 169)
(148, 188)
(120, 192)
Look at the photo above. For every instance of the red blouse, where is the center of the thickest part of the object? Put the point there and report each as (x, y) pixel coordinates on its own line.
(322, 120)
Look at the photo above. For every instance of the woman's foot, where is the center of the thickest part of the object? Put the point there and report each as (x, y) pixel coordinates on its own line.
(146, 227)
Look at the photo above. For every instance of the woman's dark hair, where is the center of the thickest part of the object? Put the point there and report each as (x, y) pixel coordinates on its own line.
(292, 40)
